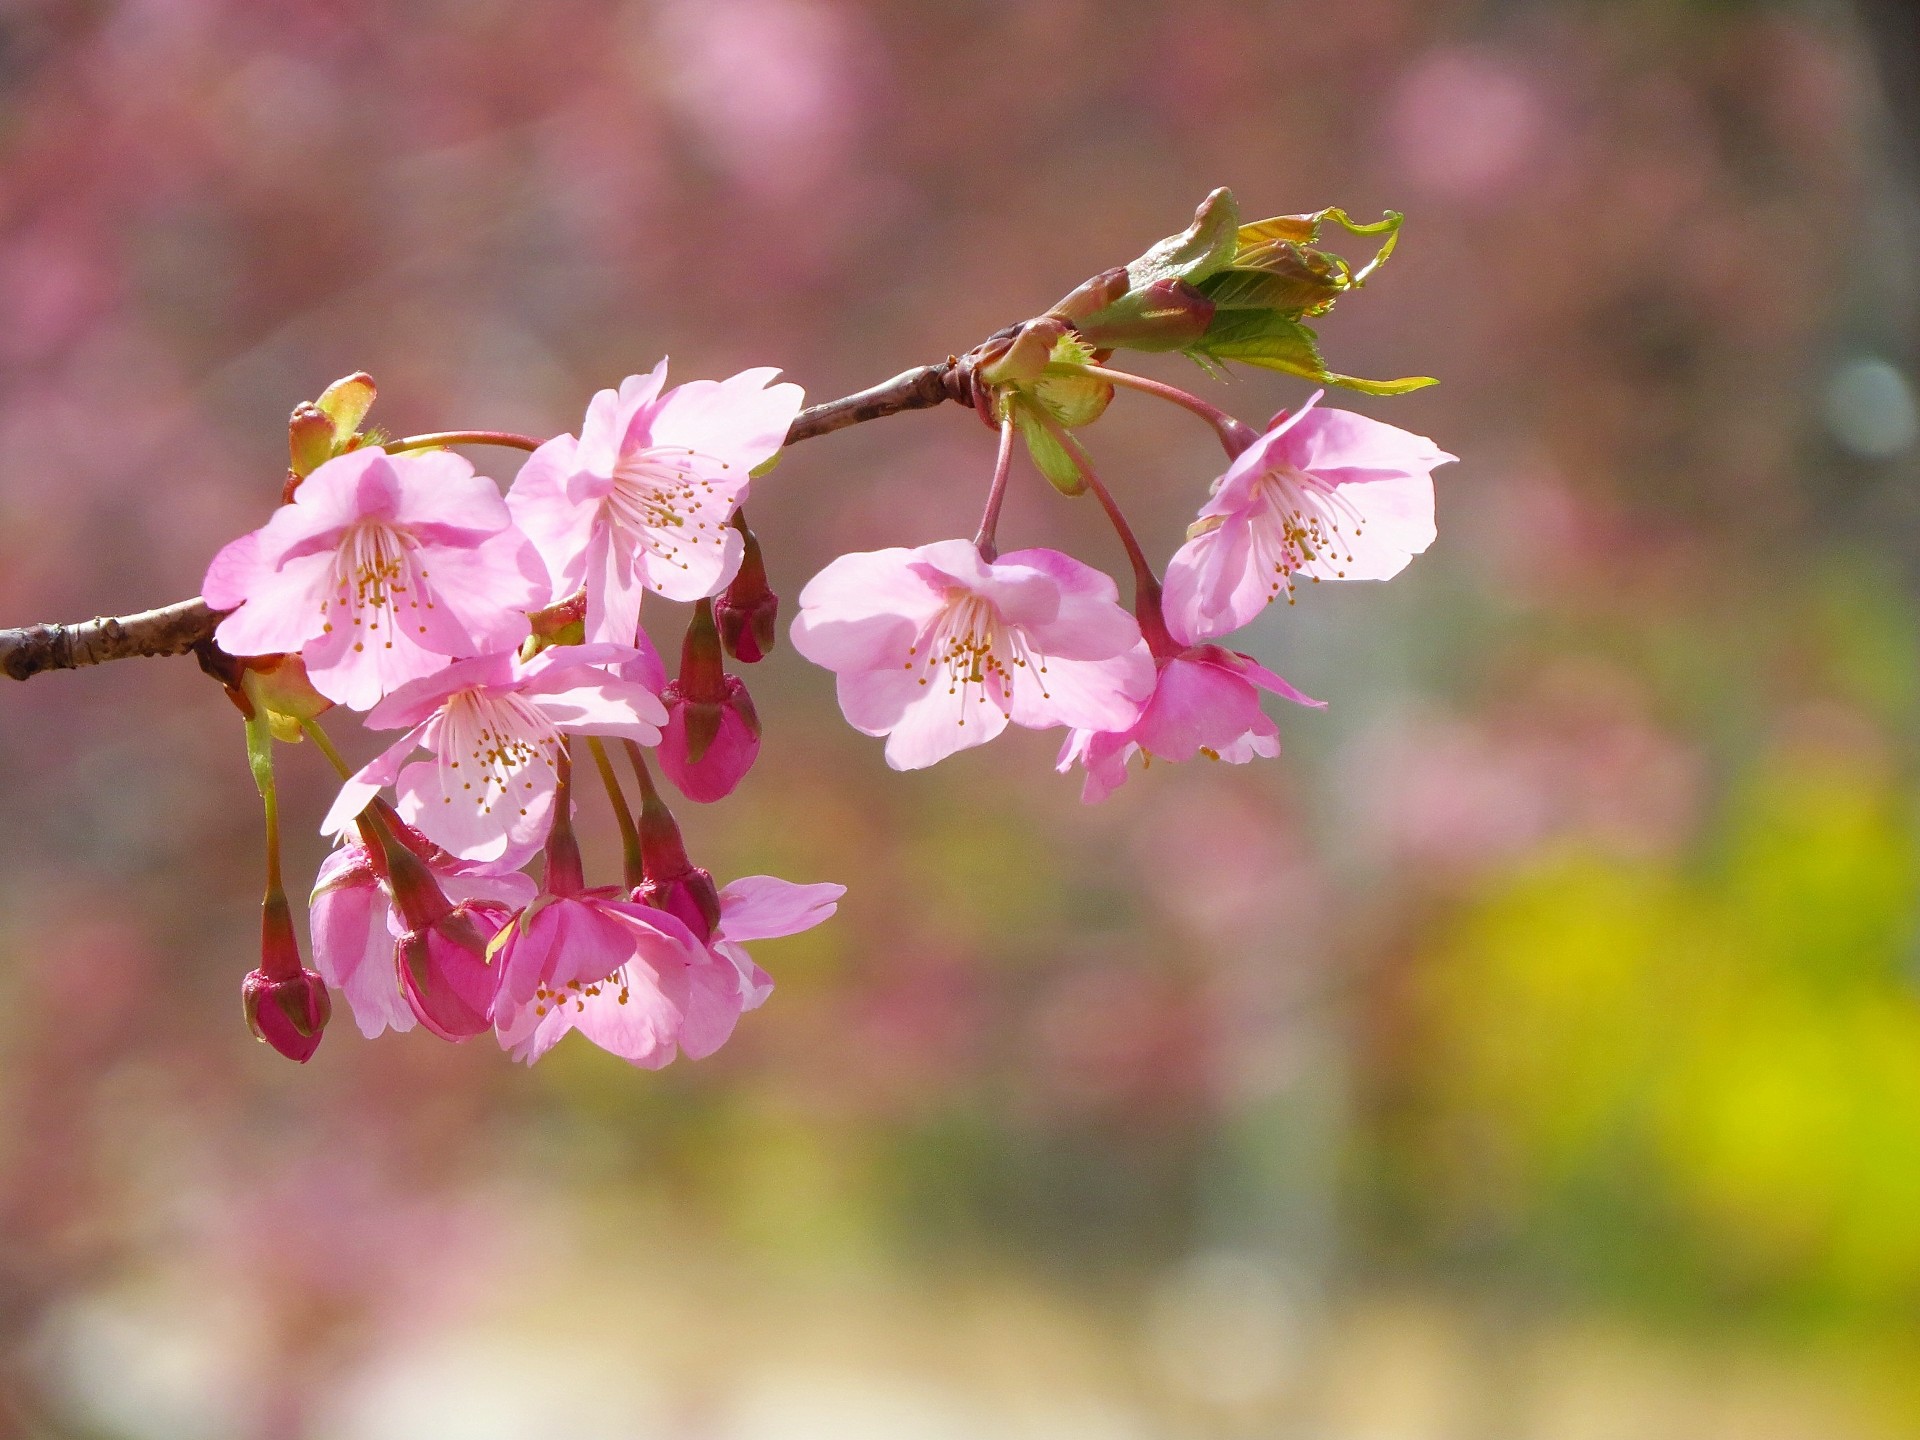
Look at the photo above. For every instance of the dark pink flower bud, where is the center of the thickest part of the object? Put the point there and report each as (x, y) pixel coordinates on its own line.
(287, 1013)
(286, 1004)
(747, 609)
(690, 897)
(445, 971)
(712, 735)
(707, 747)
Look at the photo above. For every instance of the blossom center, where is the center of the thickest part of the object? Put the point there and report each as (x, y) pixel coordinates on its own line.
(548, 997)
(490, 744)
(374, 578)
(971, 648)
(1305, 520)
(659, 498)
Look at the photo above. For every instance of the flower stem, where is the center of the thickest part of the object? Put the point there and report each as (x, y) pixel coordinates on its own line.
(1146, 585)
(564, 874)
(506, 438)
(629, 832)
(1235, 435)
(325, 747)
(996, 494)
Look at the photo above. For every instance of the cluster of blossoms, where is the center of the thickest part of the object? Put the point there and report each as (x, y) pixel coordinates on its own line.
(489, 631)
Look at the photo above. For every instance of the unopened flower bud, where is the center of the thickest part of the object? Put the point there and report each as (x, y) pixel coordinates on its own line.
(289, 1014)
(712, 735)
(446, 971)
(286, 1004)
(346, 403)
(309, 438)
(747, 609)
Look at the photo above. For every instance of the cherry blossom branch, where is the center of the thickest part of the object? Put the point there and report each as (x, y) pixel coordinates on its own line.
(175, 629)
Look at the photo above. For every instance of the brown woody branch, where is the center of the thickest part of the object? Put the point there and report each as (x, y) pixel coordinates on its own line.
(176, 629)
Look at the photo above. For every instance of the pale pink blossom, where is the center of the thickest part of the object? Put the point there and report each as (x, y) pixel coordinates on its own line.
(670, 993)
(1206, 702)
(494, 725)
(1324, 493)
(640, 501)
(356, 929)
(939, 648)
(381, 570)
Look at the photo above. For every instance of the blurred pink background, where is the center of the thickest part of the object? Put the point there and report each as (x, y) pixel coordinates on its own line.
(1531, 1051)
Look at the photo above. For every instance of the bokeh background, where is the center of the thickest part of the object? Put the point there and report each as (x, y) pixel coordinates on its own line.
(1531, 1053)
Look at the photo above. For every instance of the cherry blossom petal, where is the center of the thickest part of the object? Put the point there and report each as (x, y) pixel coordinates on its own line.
(558, 527)
(763, 907)
(864, 610)
(1086, 694)
(741, 421)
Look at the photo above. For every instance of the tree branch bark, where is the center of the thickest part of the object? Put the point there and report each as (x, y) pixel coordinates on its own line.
(175, 629)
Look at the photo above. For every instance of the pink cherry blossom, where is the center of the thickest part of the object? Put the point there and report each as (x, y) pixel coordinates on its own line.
(1324, 493)
(356, 929)
(673, 995)
(494, 725)
(1206, 702)
(640, 501)
(381, 570)
(939, 648)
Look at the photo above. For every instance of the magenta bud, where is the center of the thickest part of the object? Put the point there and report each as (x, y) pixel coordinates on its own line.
(748, 630)
(712, 735)
(747, 609)
(287, 1012)
(707, 747)
(690, 897)
(446, 973)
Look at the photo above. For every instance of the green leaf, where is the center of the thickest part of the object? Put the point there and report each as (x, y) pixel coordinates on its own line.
(1196, 252)
(1300, 287)
(1275, 342)
(1380, 387)
(1050, 457)
(1265, 338)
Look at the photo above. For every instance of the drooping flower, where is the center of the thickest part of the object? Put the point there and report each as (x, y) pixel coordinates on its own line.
(712, 734)
(494, 725)
(1206, 702)
(1324, 493)
(640, 501)
(357, 928)
(381, 570)
(670, 999)
(939, 649)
